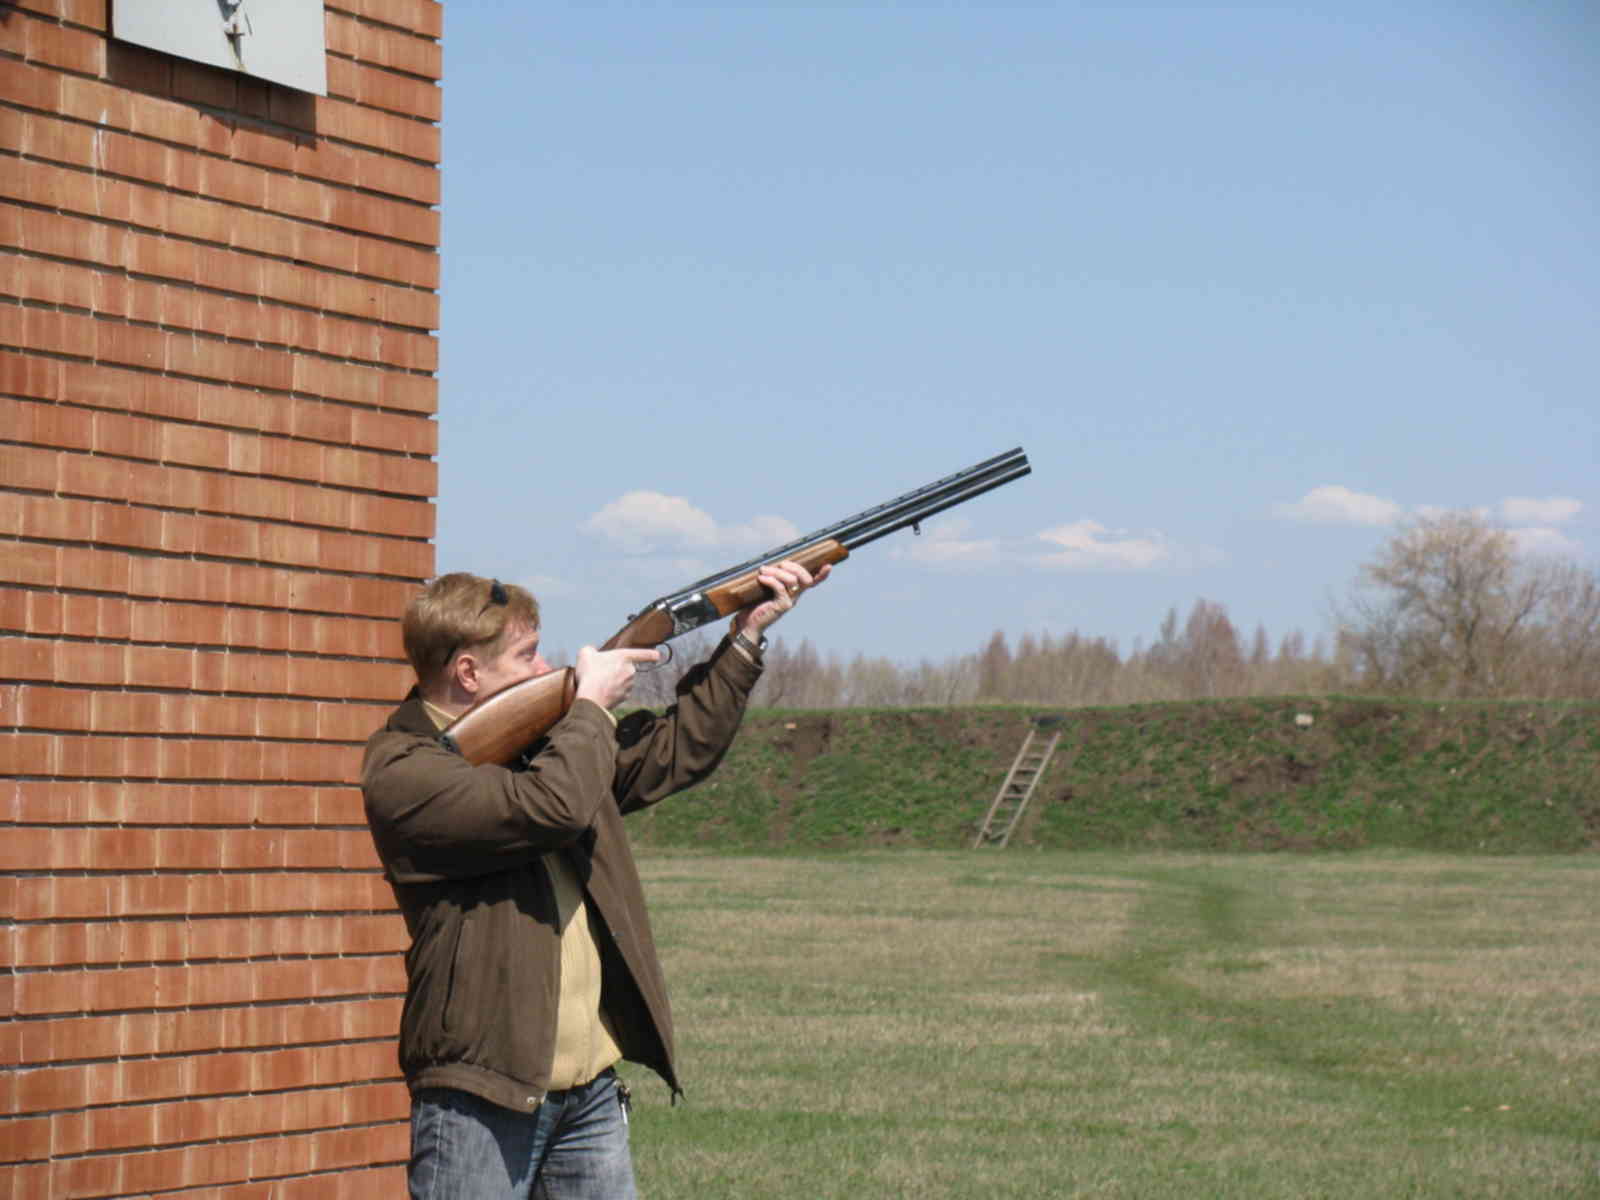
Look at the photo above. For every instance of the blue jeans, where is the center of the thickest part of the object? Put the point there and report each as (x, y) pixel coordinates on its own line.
(574, 1146)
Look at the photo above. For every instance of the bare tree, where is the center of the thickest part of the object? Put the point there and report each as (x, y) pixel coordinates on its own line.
(1212, 663)
(994, 665)
(1449, 608)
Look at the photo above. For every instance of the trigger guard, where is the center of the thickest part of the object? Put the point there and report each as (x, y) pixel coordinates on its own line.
(666, 656)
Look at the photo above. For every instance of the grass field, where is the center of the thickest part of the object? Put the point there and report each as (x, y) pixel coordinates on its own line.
(1005, 1023)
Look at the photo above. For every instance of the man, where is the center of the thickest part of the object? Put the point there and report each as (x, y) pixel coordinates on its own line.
(532, 968)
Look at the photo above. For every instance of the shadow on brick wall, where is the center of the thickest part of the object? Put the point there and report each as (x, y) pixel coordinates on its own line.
(227, 95)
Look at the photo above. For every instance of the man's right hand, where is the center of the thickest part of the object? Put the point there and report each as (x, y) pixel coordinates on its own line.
(606, 676)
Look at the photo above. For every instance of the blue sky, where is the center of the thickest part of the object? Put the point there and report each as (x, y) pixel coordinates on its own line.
(1249, 284)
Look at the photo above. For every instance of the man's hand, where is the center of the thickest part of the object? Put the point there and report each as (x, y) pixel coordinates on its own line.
(786, 581)
(606, 676)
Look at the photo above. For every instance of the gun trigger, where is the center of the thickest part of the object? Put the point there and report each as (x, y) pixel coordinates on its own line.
(916, 528)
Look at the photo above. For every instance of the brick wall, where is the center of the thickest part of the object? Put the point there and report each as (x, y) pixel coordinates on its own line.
(216, 469)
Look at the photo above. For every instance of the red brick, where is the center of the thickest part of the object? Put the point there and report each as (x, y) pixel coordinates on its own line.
(31, 86)
(13, 607)
(142, 1173)
(162, 257)
(399, 264)
(70, 49)
(237, 183)
(134, 345)
(261, 146)
(149, 941)
(122, 1126)
(97, 1176)
(40, 183)
(49, 517)
(198, 217)
(162, 119)
(205, 85)
(293, 109)
(53, 708)
(134, 157)
(396, 93)
(14, 37)
(95, 101)
(137, 68)
(51, 1089)
(125, 525)
(326, 247)
(285, 1068)
(25, 848)
(122, 849)
(58, 332)
(417, 182)
(228, 270)
(160, 666)
(45, 802)
(281, 1156)
(27, 658)
(24, 753)
(88, 13)
(384, 131)
(79, 615)
(29, 467)
(96, 570)
(411, 307)
(86, 475)
(390, 47)
(246, 1116)
(255, 97)
(40, 993)
(29, 375)
(26, 1138)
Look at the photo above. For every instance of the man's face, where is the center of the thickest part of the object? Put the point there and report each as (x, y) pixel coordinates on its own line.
(519, 660)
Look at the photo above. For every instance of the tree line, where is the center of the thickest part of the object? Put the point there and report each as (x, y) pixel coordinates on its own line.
(1449, 608)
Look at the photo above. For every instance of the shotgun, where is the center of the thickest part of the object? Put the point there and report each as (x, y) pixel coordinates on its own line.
(499, 727)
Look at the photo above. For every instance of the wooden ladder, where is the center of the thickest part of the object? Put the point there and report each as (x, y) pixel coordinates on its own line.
(1011, 801)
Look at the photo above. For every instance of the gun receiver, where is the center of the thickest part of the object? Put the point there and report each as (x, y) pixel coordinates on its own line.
(499, 727)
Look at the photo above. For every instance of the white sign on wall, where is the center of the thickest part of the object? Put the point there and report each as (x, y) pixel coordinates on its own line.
(278, 40)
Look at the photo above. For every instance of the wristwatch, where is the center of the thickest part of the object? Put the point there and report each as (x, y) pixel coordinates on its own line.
(753, 649)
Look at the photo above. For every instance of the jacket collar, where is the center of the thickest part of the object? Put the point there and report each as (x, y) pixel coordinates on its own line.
(411, 717)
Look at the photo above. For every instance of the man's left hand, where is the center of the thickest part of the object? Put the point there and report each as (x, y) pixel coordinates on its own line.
(786, 581)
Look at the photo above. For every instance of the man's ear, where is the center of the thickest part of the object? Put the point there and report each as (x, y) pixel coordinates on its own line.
(464, 673)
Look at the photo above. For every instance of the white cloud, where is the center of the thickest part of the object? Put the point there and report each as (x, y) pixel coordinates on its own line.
(1550, 511)
(1088, 546)
(1333, 504)
(1542, 540)
(641, 521)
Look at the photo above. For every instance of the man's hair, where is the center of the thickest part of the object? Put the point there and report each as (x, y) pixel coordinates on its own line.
(462, 611)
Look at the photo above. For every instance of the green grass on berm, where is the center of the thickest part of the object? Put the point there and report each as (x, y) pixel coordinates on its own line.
(1260, 774)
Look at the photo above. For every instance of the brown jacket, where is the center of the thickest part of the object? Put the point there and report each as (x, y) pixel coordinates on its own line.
(461, 845)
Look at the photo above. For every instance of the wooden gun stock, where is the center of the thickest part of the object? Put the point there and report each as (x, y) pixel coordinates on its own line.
(499, 727)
